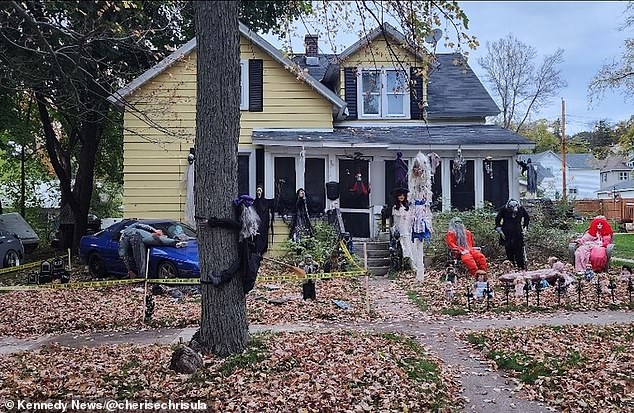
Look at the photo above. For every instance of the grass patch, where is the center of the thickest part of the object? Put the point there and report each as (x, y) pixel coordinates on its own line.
(454, 311)
(256, 352)
(477, 340)
(623, 245)
(417, 299)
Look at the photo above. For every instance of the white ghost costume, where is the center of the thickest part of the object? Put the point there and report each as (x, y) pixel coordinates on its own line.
(420, 195)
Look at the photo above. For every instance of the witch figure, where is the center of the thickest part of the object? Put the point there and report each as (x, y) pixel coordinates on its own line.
(266, 211)
(301, 227)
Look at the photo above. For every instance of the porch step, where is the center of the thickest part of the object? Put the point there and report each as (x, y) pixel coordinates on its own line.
(379, 271)
(378, 255)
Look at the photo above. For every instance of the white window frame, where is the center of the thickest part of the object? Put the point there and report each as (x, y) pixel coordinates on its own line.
(624, 176)
(383, 101)
(244, 84)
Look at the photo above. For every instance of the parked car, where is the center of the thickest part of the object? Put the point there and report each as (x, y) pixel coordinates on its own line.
(100, 251)
(14, 223)
(11, 250)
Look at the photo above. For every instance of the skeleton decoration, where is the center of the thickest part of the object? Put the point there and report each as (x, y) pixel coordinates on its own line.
(421, 216)
(434, 161)
(188, 183)
(488, 166)
(459, 168)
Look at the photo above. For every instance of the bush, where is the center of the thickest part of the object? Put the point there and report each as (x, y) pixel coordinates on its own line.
(320, 246)
(542, 240)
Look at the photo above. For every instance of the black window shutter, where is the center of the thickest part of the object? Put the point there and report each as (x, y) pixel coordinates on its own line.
(256, 85)
(415, 94)
(350, 83)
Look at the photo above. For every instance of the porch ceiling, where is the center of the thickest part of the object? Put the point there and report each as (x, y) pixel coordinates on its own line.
(396, 137)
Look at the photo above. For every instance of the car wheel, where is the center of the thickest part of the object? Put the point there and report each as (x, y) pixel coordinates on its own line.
(96, 266)
(167, 270)
(11, 259)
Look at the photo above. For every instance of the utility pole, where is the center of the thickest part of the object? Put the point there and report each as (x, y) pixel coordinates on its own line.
(563, 147)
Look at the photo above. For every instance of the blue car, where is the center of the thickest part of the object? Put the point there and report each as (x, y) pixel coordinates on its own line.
(100, 251)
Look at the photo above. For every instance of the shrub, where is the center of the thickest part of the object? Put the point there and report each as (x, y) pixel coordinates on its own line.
(320, 246)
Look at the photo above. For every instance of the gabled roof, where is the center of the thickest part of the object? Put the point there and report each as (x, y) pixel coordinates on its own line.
(390, 32)
(573, 160)
(396, 137)
(614, 163)
(119, 96)
(317, 71)
(454, 90)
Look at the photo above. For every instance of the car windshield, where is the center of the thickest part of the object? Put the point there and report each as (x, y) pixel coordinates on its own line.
(176, 230)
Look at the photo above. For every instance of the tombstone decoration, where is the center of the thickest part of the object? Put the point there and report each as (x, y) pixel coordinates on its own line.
(59, 271)
(46, 273)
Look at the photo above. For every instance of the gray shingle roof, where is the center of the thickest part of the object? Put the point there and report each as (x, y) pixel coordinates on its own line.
(573, 160)
(454, 91)
(318, 71)
(373, 136)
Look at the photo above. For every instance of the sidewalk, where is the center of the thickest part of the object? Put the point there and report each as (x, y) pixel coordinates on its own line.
(484, 389)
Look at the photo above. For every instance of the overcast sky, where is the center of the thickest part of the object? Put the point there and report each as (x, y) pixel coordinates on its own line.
(587, 31)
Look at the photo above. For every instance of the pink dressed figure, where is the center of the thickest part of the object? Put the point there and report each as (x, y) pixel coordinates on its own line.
(593, 244)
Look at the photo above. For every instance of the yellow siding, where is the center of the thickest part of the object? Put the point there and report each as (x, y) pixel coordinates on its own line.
(160, 127)
(378, 54)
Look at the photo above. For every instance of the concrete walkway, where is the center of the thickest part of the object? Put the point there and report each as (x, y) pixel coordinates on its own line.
(485, 390)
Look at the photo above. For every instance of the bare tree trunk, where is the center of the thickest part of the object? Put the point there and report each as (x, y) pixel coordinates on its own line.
(223, 325)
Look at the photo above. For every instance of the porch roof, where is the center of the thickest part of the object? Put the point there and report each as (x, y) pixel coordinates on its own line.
(396, 137)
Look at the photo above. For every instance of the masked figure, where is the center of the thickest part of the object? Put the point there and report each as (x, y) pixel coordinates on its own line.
(421, 216)
(266, 211)
(511, 222)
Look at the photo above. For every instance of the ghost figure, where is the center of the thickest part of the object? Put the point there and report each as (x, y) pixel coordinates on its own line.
(420, 197)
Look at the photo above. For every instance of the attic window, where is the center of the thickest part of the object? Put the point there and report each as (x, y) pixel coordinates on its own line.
(383, 93)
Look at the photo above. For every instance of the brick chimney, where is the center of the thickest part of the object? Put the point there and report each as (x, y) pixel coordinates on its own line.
(311, 43)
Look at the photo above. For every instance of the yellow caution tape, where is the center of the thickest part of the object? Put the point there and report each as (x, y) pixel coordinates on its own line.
(72, 285)
(27, 266)
(344, 248)
(176, 281)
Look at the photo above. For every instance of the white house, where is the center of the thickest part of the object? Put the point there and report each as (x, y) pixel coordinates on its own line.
(582, 174)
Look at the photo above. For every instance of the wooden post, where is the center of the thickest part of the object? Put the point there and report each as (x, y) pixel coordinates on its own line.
(69, 262)
(367, 278)
(147, 269)
(563, 148)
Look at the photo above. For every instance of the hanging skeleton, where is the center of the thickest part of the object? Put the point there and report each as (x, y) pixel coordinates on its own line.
(459, 168)
(434, 161)
(188, 183)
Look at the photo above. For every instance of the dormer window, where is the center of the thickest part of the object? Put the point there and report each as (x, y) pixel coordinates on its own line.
(383, 93)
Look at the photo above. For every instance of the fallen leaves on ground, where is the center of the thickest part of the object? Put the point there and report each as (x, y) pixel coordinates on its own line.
(304, 372)
(573, 368)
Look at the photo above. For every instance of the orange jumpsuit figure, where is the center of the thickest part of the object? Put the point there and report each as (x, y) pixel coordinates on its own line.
(460, 240)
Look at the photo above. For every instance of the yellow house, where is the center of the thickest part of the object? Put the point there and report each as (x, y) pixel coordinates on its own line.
(324, 122)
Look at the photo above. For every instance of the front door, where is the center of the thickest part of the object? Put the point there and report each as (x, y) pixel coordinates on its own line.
(354, 196)
(496, 182)
(463, 192)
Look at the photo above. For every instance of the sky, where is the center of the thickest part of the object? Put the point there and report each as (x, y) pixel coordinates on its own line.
(588, 31)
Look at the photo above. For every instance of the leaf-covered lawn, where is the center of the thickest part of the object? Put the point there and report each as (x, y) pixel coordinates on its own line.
(300, 372)
(573, 368)
(29, 313)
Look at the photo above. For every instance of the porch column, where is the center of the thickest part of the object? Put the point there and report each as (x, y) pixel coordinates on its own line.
(478, 176)
(446, 184)
(331, 174)
(514, 179)
(269, 175)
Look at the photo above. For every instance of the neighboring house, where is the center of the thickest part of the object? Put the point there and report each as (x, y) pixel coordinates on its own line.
(582, 174)
(616, 170)
(323, 119)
